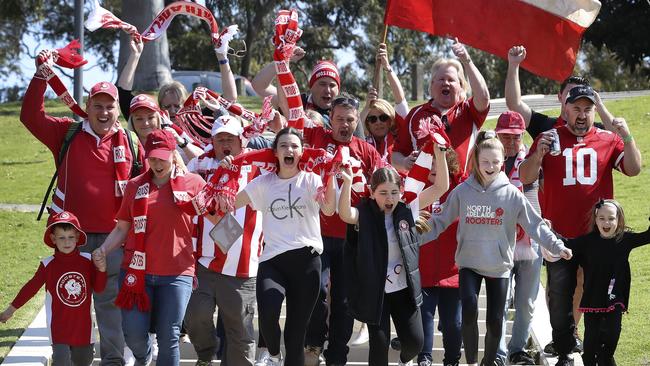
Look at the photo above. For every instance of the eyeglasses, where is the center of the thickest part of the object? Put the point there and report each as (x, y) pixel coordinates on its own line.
(382, 117)
(345, 101)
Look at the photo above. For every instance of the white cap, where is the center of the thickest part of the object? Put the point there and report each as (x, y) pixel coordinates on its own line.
(227, 124)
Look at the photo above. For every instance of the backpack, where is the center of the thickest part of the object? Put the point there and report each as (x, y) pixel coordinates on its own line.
(73, 129)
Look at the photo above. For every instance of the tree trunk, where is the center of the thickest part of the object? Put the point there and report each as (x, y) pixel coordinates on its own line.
(417, 81)
(260, 11)
(154, 66)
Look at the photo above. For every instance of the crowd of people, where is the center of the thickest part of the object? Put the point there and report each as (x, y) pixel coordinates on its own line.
(350, 245)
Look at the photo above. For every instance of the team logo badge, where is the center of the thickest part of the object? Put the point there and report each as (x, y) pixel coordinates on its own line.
(103, 86)
(64, 215)
(131, 280)
(499, 212)
(224, 178)
(71, 289)
(403, 225)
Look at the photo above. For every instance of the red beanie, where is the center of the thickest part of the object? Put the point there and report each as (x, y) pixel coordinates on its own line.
(325, 69)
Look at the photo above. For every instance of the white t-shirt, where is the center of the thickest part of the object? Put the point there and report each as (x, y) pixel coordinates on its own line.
(395, 273)
(291, 214)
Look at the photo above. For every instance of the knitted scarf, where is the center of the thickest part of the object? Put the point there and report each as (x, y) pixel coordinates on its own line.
(132, 291)
(523, 248)
(286, 35)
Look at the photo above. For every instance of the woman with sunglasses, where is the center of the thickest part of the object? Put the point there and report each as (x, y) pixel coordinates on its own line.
(379, 115)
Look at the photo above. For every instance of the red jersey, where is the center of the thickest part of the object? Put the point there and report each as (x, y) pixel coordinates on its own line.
(169, 231)
(463, 122)
(364, 160)
(87, 173)
(578, 177)
(242, 259)
(70, 280)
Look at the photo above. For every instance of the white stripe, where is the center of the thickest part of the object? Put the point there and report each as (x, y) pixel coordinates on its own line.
(618, 160)
(424, 160)
(48, 314)
(581, 12)
(56, 208)
(413, 185)
(59, 194)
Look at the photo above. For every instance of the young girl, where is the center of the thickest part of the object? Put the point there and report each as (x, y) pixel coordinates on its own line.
(290, 264)
(381, 260)
(488, 208)
(603, 254)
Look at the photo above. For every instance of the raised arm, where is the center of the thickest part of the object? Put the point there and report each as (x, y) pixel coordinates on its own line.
(372, 95)
(227, 78)
(604, 113)
(125, 80)
(516, 56)
(395, 85)
(329, 206)
(441, 183)
(347, 213)
(262, 81)
(529, 168)
(480, 91)
(632, 155)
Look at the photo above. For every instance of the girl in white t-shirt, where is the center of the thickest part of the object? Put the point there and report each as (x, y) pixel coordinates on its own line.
(290, 264)
(381, 256)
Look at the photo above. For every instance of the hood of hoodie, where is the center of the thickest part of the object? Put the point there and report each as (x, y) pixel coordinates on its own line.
(499, 182)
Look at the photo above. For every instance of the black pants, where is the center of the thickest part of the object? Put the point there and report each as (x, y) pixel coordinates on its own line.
(602, 331)
(294, 275)
(497, 290)
(561, 284)
(408, 324)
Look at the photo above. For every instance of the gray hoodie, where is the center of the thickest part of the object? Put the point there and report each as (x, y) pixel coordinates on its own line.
(487, 225)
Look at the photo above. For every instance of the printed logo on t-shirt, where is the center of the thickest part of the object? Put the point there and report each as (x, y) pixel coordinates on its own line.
(119, 155)
(71, 289)
(483, 215)
(282, 208)
(436, 208)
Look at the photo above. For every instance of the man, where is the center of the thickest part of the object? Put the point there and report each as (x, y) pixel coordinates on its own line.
(448, 110)
(91, 179)
(227, 278)
(574, 180)
(364, 159)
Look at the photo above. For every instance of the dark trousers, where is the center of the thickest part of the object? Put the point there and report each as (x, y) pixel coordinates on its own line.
(497, 290)
(340, 322)
(561, 284)
(293, 275)
(447, 300)
(602, 331)
(65, 355)
(408, 325)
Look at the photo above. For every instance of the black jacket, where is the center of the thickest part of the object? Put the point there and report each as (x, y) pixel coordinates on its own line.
(366, 259)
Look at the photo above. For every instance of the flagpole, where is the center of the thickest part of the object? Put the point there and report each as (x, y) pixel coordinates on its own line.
(378, 82)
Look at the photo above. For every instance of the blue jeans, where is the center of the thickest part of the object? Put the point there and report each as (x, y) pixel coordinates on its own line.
(169, 296)
(526, 277)
(448, 302)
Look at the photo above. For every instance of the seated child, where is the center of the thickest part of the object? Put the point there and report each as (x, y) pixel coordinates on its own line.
(70, 279)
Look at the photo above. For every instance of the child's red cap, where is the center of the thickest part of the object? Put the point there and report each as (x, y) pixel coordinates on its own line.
(64, 217)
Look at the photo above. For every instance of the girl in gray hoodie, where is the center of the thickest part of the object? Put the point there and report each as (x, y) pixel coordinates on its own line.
(489, 209)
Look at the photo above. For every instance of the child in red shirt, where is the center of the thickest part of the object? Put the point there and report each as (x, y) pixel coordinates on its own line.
(70, 277)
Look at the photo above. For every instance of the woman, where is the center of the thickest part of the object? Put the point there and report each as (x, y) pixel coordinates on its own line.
(155, 223)
(290, 264)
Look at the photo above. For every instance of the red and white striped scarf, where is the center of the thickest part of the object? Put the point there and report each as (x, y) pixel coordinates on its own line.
(132, 292)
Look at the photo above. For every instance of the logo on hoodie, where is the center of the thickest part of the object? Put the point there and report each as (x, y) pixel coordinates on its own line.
(483, 215)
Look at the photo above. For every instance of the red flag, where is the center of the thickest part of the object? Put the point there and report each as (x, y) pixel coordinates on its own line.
(550, 30)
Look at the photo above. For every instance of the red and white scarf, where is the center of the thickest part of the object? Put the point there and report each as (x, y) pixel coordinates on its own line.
(132, 292)
(523, 248)
(286, 35)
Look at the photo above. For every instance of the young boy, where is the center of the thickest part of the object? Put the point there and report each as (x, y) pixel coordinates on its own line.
(70, 279)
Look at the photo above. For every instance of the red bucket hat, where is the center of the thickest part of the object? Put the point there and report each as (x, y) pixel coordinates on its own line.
(64, 217)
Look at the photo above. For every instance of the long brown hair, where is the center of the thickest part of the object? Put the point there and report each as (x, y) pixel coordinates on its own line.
(484, 140)
(620, 218)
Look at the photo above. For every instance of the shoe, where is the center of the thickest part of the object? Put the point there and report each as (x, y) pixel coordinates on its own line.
(263, 357)
(312, 355)
(154, 346)
(550, 349)
(409, 363)
(275, 361)
(129, 359)
(184, 338)
(425, 363)
(361, 337)
(203, 363)
(499, 362)
(564, 361)
(578, 347)
(451, 364)
(521, 358)
(395, 344)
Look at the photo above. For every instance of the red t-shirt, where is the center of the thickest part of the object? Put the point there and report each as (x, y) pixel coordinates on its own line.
(464, 122)
(578, 177)
(168, 239)
(364, 160)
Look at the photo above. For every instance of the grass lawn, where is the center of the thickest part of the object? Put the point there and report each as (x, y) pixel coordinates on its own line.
(25, 160)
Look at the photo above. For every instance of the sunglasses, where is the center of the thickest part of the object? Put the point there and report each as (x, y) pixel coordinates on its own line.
(382, 117)
(345, 101)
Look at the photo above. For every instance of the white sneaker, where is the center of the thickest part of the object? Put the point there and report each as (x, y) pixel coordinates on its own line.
(154, 346)
(361, 337)
(263, 357)
(400, 363)
(129, 359)
(276, 360)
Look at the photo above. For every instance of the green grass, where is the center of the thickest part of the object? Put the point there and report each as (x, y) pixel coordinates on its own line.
(26, 167)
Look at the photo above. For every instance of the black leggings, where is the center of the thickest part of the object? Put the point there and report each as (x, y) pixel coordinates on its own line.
(408, 324)
(294, 274)
(497, 289)
(602, 331)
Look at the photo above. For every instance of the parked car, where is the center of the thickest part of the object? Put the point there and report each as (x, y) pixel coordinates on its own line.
(210, 79)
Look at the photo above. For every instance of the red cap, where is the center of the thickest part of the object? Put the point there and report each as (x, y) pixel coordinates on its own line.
(511, 122)
(143, 101)
(160, 144)
(325, 69)
(103, 87)
(64, 217)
